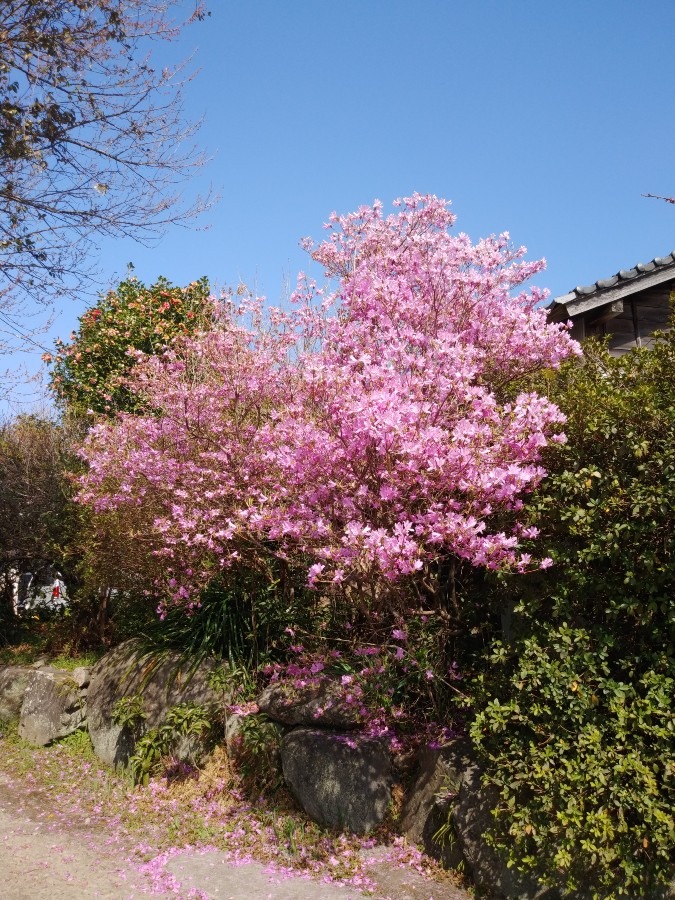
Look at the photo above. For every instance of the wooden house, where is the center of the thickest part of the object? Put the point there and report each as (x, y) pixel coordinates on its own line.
(628, 307)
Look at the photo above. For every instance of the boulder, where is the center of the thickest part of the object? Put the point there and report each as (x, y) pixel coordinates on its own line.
(13, 683)
(449, 788)
(162, 680)
(81, 676)
(428, 803)
(340, 780)
(53, 707)
(320, 701)
(233, 729)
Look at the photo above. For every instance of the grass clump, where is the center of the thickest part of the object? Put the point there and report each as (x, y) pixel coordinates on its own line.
(79, 746)
(28, 652)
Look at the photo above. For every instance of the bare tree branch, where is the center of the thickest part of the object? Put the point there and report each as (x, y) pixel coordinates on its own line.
(659, 197)
(93, 139)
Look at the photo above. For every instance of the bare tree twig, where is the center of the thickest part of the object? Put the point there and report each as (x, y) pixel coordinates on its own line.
(94, 140)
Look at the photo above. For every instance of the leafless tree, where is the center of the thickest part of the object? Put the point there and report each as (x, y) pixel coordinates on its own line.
(93, 139)
(38, 517)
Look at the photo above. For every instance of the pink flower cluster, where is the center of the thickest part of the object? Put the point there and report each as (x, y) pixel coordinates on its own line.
(371, 429)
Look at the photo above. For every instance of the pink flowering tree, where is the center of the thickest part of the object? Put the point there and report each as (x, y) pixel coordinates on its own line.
(372, 432)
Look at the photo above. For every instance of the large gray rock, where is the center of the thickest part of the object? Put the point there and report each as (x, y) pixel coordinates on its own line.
(428, 805)
(340, 780)
(449, 789)
(162, 683)
(321, 701)
(81, 676)
(13, 683)
(53, 707)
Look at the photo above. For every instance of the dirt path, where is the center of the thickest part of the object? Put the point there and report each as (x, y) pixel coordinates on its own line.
(43, 858)
(40, 858)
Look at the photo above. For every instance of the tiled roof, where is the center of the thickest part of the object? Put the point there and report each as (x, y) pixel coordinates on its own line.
(640, 272)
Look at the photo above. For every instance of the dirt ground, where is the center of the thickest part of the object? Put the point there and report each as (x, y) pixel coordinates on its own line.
(41, 858)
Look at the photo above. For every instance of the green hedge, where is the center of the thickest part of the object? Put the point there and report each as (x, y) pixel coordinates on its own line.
(575, 714)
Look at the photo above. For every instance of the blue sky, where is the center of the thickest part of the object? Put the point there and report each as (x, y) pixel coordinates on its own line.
(546, 119)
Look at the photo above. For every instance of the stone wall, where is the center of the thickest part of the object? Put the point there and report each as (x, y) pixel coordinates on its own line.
(341, 777)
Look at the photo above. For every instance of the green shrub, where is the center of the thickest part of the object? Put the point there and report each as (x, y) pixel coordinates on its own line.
(89, 374)
(575, 715)
(584, 763)
(256, 751)
(242, 617)
(155, 747)
(64, 661)
(128, 713)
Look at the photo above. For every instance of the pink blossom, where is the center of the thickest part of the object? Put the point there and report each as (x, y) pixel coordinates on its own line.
(364, 430)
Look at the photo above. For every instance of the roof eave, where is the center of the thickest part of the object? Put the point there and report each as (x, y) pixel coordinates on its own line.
(571, 304)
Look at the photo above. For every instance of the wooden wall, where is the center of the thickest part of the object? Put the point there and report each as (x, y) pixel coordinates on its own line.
(646, 312)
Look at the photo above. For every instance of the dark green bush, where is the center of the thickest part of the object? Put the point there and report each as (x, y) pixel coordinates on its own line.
(583, 759)
(576, 714)
(242, 617)
(89, 374)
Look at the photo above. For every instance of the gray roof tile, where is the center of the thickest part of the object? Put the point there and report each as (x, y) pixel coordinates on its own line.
(605, 284)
